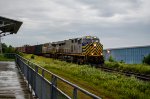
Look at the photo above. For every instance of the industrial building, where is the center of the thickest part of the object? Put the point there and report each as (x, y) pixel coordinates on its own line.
(130, 55)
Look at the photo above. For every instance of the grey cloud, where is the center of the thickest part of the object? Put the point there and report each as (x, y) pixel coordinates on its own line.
(109, 8)
(53, 20)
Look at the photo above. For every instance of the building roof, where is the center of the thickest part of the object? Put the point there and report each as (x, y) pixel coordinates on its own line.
(128, 47)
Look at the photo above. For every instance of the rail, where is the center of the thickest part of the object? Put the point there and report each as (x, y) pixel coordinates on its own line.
(127, 73)
(37, 78)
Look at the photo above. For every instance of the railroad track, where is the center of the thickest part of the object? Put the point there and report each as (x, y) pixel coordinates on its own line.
(127, 73)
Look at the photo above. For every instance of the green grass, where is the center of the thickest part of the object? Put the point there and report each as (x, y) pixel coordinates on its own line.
(137, 68)
(4, 58)
(103, 84)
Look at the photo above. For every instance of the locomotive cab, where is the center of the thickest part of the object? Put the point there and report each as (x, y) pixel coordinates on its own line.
(89, 39)
(92, 49)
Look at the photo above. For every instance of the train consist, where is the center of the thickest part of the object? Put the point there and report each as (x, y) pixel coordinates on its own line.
(82, 50)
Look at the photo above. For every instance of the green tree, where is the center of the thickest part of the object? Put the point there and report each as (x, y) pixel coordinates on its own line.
(147, 59)
(7, 49)
(10, 49)
(4, 47)
(122, 61)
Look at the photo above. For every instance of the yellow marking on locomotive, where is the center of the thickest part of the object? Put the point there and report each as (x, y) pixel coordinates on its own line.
(87, 50)
(85, 47)
(92, 49)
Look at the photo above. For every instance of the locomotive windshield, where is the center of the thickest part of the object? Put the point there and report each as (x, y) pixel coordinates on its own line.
(90, 40)
(87, 41)
(95, 40)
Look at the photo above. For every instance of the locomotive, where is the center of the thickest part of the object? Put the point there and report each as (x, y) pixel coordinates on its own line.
(83, 50)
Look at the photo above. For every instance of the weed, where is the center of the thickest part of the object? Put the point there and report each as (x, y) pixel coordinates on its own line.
(103, 84)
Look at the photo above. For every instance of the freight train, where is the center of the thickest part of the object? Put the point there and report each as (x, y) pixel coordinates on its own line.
(83, 50)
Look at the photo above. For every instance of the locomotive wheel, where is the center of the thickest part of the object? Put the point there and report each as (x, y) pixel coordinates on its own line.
(80, 61)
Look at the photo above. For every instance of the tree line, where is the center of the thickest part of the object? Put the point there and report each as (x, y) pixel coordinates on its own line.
(7, 48)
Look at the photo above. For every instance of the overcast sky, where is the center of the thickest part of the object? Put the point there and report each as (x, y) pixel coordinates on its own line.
(118, 23)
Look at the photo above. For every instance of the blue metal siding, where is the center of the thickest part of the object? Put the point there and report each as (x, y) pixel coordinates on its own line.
(132, 55)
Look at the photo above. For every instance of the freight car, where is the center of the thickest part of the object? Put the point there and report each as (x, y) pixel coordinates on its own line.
(82, 50)
(30, 49)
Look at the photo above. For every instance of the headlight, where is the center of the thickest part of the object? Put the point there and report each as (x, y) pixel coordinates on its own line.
(92, 53)
(108, 51)
(94, 45)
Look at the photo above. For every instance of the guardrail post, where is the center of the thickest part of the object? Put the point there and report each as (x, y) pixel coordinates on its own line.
(54, 80)
(28, 76)
(75, 93)
(54, 84)
(28, 62)
(36, 70)
(16, 59)
(43, 73)
(42, 83)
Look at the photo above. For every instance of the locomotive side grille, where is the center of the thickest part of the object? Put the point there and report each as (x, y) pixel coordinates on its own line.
(92, 49)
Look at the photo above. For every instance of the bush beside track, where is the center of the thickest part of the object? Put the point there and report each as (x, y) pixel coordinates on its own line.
(107, 85)
(135, 68)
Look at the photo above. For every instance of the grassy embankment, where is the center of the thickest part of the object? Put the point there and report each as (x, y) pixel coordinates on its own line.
(103, 84)
(137, 68)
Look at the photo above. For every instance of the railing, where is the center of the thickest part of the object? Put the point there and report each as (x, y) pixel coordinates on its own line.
(45, 83)
(9, 55)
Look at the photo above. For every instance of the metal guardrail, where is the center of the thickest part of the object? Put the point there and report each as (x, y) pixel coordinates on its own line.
(9, 55)
(44, 88)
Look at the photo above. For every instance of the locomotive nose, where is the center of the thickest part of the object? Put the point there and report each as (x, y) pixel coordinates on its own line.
(93, 49)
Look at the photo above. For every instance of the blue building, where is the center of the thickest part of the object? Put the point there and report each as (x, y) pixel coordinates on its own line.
(130, 55)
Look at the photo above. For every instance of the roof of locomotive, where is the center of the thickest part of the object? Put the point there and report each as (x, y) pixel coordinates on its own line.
(90, 37)
(84, 37)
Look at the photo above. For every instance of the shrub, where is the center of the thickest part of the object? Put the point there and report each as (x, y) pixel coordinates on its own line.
(122, 61)
(32, 56)
(147, 59)
(111, 59)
